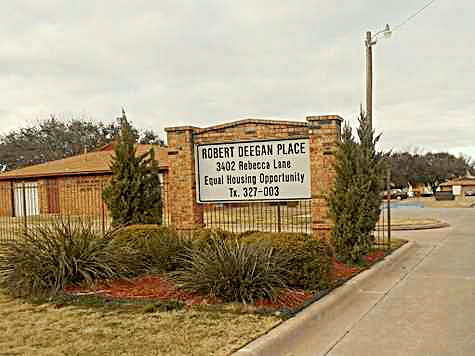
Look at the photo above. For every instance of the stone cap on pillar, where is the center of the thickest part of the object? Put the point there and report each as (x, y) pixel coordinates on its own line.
(324, 120)
(181, 128)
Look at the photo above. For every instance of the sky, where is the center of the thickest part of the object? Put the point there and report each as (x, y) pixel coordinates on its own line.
(203, 62)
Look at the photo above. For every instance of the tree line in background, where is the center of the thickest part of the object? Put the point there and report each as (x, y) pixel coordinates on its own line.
(55, 139)
(430, 169)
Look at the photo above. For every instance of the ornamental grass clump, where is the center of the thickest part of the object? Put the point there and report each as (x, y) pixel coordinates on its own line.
(233, 271)
(49, 256)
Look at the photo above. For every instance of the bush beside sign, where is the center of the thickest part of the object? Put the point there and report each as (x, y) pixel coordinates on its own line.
(253, 171)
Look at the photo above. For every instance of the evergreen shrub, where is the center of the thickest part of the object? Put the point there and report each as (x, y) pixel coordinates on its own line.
(309, 259)
(158, 246)
(355, 201)
(204, 237)
(133, 195)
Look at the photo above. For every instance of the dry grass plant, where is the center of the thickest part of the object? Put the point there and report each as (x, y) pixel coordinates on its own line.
(232, 270)
(50, 255)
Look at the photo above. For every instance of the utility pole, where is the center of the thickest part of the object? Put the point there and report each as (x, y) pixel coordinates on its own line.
(369, 79)
(369, 42)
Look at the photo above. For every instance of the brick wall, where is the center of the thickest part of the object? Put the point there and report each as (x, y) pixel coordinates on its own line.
(6, 208)
(323, 132)
(81, 195)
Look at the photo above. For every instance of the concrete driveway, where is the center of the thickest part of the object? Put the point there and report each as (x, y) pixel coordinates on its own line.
(421, 303)
(431, 311)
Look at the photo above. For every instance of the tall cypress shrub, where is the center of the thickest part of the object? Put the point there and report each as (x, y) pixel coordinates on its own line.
(133, 195)
(356, 197)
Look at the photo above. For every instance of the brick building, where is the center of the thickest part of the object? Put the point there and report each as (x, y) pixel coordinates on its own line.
(459, 186)
(71, 185)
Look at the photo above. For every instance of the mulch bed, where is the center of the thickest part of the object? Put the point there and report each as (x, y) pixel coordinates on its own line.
(159, 288)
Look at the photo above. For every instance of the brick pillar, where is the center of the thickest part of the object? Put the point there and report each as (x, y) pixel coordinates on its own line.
(185, 212)
(324, 134)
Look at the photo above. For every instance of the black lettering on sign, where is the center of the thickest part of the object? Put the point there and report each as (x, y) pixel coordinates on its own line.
(225, 166)
(217, 152)
(294, 148)
(281, 164)
(255, 150)
(251, 166)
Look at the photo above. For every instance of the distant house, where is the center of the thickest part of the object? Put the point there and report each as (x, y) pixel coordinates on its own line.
(459, 186)
(419, 190)
(71, 185)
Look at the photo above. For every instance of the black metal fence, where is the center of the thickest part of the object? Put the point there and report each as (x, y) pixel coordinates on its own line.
(292, 216)
(27, 204)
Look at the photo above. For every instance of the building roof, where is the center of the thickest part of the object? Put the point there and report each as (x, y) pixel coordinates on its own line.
(459, 181)
(96, 162)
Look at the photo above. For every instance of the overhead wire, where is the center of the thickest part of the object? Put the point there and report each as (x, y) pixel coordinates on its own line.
(414, 15)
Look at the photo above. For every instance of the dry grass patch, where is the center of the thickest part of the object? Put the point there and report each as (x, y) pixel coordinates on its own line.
(46, 329)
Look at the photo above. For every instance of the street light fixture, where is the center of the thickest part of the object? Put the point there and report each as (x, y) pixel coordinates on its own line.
(370, 41)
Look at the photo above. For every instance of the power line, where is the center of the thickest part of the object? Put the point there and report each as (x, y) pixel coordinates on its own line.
(414, 15)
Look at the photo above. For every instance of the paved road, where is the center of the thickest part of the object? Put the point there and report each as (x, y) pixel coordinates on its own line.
(431, 310)
(421, 302)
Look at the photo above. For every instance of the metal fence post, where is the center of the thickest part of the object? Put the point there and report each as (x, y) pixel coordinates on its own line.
(24, 206)
(102, 210)
(389, 208)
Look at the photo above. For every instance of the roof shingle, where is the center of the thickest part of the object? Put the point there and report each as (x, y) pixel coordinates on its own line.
(96, 162)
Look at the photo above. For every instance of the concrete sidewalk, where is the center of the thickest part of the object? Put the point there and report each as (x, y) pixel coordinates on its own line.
(422, 303)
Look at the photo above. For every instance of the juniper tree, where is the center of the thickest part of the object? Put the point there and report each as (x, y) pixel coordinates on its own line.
(356, 197)
(133, 195)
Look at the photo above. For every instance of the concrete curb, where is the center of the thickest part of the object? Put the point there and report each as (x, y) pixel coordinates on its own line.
(270, 343)
(416, 227)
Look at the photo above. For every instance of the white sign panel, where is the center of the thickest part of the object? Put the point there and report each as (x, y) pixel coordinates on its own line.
(253, 171)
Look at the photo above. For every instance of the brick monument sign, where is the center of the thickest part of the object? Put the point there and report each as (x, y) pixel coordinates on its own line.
(252, 160)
